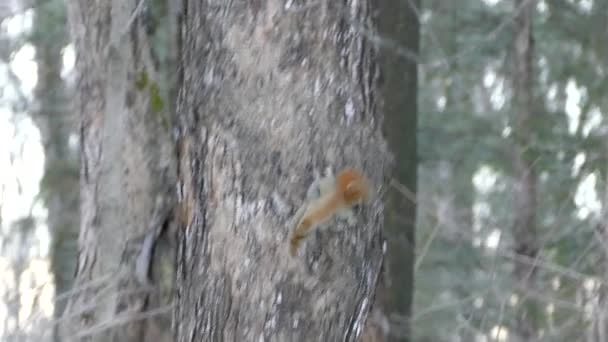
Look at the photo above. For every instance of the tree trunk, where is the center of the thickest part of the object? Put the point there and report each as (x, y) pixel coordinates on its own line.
(122, 288)
(525, 201)
(599, 327)
(59, 186)
(399, 24)
(273, 93)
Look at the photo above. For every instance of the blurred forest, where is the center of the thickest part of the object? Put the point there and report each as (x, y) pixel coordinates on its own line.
(512, 193)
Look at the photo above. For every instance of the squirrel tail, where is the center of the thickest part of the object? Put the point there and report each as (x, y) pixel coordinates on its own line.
(298, 235)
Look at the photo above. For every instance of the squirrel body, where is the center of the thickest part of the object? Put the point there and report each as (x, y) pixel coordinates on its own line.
(336, 196)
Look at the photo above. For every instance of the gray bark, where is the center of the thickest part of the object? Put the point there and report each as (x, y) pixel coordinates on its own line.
(525, 196)
(272, 93)
(122, 288)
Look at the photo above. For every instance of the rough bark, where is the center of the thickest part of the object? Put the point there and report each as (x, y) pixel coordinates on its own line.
(54, 119)
(399, 24)
(273, 92)
(126, 178)
(525, 196)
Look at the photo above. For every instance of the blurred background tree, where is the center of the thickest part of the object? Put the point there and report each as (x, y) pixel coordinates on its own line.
(34, 41)
(57, 124)
(469, 206)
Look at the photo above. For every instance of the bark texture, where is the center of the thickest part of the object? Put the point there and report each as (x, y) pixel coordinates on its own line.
(272, 93)
(525, 196)
(127, 176)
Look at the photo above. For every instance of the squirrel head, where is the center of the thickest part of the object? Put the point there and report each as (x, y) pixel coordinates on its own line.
(353, 185)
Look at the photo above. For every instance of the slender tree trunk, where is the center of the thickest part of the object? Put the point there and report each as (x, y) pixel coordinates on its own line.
(122, 289)
(55, 120)
(599, 328)
(525, 197)
(399, 24)
(273, 92)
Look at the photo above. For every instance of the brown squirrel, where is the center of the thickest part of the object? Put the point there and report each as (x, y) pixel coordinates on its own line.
(337, 196)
